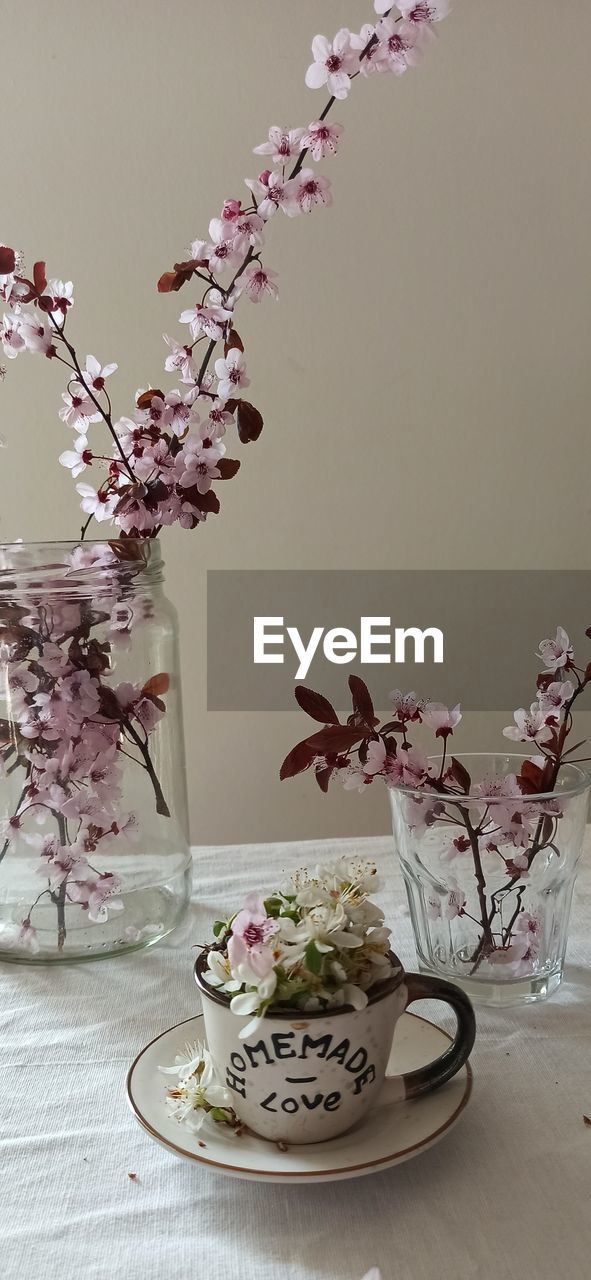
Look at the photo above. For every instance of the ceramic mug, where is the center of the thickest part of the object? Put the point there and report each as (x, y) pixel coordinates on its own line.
(306, 1077)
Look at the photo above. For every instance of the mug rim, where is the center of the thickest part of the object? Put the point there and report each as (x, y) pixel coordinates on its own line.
(378, 992)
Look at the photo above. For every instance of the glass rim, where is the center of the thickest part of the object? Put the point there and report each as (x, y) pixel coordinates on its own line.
(564, 793)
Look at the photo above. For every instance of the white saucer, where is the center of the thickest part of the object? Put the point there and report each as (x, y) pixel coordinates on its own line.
(390, 1134)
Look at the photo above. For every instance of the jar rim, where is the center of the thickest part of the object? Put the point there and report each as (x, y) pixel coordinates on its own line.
(567, 792)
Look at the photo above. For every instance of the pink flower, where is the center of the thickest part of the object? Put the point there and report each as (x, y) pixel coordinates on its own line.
(281, 144)
(368, 48)
(180, 359)
(530, 726)
(556, 653)
(250, 952)
(12, 336)
(408, 768)
(101, 505)
(361, 776)
(78, 458)
(61, 292)
(227, 249)
(28, 937)
(272, 191)
(37, 334)
(231, 374)
(258, 282)
(321, 139)
(96, 896)
(311, 189)
(210, 320)
(456, 903)
(399, 45)
(407, 706)
(554, 697)
(441, 719)
(78, 408)
(333, 64)
(93, 375)
(423, 12)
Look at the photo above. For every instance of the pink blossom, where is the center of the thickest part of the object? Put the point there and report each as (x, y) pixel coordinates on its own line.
(333, 64)
(252, 225)
(272, 191)
(94, 375)
(407, 706)
(367, 46)
(231, 374)
(441, 719)
(226, 249)
(101, 505)
(96, 896)
(79, 408)
(530, 726)
(409, 768)
(12, 336)
(180, 360)
(399, 45)
(423, 12)
(312, 189)
(37, 334)
(78, 458)
(210, 320)
(281, 144)
(456, 904)
(258, 282)
(364, 773)
(556, 653)
(252, 930)
(62, 294)
(321, 139)
(554, 698)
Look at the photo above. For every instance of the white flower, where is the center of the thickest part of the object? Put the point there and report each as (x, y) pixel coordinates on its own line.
(78, 458)
(198, 1090)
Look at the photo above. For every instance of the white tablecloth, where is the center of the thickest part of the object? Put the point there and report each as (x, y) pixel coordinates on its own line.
(504, 1197)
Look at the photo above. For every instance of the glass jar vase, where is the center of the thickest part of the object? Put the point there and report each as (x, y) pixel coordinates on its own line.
(490, 876)
(94, 850)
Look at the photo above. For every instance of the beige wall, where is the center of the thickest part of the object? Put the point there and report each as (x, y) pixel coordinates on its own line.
(426, 381)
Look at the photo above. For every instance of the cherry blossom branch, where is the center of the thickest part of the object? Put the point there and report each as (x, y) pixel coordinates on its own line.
(168, 456)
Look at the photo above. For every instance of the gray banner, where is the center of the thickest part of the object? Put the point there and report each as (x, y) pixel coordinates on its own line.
(482, 632)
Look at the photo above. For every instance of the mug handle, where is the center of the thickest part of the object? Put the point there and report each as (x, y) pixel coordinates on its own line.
(422, 987)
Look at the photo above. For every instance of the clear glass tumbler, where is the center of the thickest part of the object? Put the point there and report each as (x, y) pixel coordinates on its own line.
(94, 850)
(490, 878)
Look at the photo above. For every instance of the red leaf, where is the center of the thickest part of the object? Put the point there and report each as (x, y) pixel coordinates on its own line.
(227, 467)
(315, 705)
(530, 777)
(7, 260)
(299, 758)
(393, 726)
(39, 277)
(233, 342)
(461, 775)
(362, 702)
(323, 777)
(249, 422)
(144, 401)
(157, 684)
(167, 282)
(335, 737)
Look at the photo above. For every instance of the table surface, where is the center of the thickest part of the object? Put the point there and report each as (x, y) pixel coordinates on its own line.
(504, 1196)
